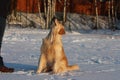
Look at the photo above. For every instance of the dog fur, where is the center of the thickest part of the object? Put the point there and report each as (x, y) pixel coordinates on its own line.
(52, 56)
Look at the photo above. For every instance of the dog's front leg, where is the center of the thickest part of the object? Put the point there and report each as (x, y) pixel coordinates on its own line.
(41, 64)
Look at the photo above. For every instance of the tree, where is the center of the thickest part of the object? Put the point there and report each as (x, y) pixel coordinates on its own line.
(109, 13)
(64, 12)
(40, 15)
(96, 13)
(49, 10)
(13, 10)
(117, 9)
(113, 14)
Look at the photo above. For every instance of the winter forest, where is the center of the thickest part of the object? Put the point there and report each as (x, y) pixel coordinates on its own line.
(39, 13)
(92, 39)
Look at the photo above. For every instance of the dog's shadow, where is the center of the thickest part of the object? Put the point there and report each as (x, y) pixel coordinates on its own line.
(21, 67)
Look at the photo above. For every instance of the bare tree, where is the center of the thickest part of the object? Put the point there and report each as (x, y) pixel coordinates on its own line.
(27, 11)
(64, 12)
(49, 11)
(96, 13)
(113, 14)
(40, 15)
(13, 11)
(39, 9)
(48, 14)
(117, 9)
(109, 14)
(53, 7)
(45, 9)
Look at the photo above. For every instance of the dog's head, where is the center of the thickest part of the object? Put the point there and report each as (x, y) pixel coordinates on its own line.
(58, 28)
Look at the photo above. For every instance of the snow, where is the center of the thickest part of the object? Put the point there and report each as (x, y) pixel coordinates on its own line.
(96, 52)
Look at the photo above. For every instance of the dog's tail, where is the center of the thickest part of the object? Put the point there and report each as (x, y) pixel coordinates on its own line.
(73, 67)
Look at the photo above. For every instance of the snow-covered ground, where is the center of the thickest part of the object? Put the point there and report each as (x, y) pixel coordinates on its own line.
(96, 52)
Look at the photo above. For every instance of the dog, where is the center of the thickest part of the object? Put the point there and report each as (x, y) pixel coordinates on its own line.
(52, 56)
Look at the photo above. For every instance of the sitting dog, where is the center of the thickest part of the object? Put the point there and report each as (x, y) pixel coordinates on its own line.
(52, 56)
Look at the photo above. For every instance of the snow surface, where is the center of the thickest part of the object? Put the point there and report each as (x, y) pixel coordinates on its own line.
(96, 52)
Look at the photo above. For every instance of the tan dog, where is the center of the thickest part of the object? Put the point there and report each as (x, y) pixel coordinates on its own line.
(53, 57)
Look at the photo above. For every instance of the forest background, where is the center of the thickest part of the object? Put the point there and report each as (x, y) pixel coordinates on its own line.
(74, 14)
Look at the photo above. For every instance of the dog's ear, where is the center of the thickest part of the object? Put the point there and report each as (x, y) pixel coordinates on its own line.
(56, 22)
(61, 31)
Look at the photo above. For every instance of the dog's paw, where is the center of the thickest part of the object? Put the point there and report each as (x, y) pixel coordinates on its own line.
(38, 72)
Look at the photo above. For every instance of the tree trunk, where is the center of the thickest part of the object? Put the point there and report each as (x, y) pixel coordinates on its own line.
(48, 14)
(39, 10)
(40, 16)
(13, 10)
(53, 8)
(109, 14)
(45, 9)
(96, 12)
(113, 15)
(27, 11)
(64, 12)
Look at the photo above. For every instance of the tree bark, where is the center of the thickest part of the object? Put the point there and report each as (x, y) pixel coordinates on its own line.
(50, 12)
(64, 12)
(109, 14)
(40, 15)
(96, 12)
(45, 9)
(113, 15)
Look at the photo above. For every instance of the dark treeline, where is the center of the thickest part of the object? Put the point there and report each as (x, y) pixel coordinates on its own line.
(47, 9)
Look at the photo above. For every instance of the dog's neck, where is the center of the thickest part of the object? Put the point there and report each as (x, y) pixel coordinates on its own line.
(54, 37)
